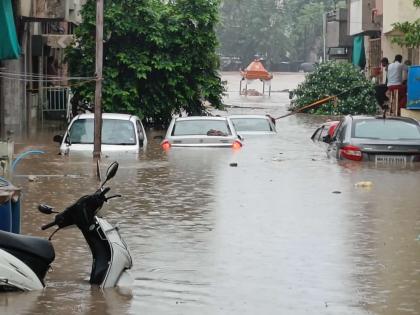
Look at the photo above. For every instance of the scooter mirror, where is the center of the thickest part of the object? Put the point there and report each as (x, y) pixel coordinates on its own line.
(46, 209)
(110, 173)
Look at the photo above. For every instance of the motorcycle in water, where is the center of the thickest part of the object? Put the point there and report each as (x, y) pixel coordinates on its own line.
(25, 260)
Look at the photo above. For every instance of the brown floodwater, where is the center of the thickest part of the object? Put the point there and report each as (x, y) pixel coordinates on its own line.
(284, 232)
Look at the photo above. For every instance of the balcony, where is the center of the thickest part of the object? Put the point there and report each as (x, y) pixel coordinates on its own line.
(51, 10)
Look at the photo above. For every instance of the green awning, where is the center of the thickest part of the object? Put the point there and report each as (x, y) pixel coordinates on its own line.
(359, 57)
(9, 46)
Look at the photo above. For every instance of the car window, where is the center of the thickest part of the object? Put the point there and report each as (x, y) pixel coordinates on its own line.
(114, 131)
(385, 129)
(317, 134)
(251, 124)
(324, 132)
(340, 131)
(201, 127)
(341, 134)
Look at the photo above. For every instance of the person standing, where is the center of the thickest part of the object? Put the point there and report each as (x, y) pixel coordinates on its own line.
(381, 88)
(395, 80)
(384, 72)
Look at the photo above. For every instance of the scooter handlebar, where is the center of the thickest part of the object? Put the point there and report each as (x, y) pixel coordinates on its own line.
(47, 226)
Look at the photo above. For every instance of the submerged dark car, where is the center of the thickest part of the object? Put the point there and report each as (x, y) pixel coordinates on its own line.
(393, 140)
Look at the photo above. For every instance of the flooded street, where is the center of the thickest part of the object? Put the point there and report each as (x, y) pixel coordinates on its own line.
(284, 232)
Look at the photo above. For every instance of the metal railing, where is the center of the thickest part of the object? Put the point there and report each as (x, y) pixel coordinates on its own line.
(55, 99)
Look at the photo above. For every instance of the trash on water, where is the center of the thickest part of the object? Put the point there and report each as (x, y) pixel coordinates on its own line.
(32, 178)
(153, 213)
(364, 184)
(336, 192)
(233, 164)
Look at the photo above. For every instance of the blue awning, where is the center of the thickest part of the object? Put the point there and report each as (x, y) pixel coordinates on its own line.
(9, 45)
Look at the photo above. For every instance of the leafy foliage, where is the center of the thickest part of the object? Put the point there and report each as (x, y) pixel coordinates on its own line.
(159, 56)
(332, 78)
(250, 27)
(410, 30)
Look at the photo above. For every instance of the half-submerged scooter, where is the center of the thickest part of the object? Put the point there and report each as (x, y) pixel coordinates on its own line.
(25, 260)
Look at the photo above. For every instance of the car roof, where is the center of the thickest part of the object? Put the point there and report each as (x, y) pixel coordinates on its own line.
(201, 118)
(249, 116)
(406, 119)
(107, 116)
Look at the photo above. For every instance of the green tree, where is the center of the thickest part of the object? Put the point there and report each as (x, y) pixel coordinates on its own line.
(159, 57)
(333, 78)
(278, 30)
(250, 27)
(411, 31)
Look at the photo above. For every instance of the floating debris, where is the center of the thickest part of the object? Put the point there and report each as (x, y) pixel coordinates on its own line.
(364, 184)
(336, 192)
(32, 178)
(233, 164)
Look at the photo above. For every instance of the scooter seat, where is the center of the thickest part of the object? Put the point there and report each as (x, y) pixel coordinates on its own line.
(31, 245)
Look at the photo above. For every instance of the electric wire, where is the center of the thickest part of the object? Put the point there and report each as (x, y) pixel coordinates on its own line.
(37, 75)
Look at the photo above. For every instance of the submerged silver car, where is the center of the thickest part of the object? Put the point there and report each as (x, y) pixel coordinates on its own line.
(253, 124)
(201, 131)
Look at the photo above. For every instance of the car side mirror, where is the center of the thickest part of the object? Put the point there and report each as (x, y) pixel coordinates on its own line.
(58, 138)
(240, 137)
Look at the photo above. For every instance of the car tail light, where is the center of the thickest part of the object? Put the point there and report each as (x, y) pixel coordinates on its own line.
(165, 145)
(351, 152)
(237, 144)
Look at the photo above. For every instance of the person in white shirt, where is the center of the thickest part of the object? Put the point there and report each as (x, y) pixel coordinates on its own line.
(395, 72)
(395, 80)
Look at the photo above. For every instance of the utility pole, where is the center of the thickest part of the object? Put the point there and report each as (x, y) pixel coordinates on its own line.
(98, 74)
(324, 36)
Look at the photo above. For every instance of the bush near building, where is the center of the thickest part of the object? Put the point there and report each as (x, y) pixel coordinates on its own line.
(332, 78)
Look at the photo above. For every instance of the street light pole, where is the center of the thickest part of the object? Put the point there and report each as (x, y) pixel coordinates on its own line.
(98, 74)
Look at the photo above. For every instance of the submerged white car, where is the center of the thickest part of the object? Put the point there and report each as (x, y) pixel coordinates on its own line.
(253, 124)
(201, 131)
(120, 133)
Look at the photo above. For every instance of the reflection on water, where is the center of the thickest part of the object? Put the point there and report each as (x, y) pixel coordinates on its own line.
(268, 236)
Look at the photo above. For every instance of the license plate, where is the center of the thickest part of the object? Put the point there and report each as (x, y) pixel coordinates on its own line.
(391, 159)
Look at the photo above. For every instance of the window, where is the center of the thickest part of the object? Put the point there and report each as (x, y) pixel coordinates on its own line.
(251, 124)
(114, 131)
(201, 127)
(386, 129)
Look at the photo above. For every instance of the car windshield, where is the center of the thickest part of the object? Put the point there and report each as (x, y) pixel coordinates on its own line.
(201, 127)
(114, 131)
(251, 124)
(386, 129)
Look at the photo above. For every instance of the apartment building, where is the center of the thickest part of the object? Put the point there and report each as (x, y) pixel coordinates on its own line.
(29, 90)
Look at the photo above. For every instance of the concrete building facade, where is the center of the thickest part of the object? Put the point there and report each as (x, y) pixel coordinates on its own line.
(44, 28)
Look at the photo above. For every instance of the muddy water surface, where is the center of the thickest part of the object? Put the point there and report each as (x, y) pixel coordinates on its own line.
(284, 232)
